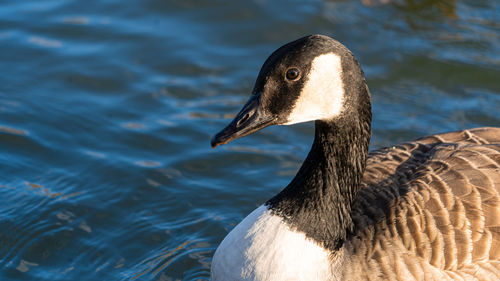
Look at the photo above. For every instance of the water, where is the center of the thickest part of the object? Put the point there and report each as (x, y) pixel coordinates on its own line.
(107, 108)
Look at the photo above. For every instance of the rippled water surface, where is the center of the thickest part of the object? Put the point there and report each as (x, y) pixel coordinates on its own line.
(107, 108)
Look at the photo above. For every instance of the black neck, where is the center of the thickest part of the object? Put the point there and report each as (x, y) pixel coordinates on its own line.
(318, 201)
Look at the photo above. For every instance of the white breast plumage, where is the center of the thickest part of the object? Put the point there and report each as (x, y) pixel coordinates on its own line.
(263, 247)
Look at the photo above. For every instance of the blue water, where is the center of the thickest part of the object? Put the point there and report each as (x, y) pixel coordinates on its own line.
(107, 108)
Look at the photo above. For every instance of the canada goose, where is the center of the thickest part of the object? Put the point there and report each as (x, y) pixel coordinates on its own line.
(422, 210)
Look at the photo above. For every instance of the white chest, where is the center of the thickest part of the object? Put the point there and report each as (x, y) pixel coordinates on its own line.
(263, 248)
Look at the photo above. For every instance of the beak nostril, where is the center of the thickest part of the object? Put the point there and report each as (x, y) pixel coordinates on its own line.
(242, 120)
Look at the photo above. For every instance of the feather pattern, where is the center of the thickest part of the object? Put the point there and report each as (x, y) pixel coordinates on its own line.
(435, 204)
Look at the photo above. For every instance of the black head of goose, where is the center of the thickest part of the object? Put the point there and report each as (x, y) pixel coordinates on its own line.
(409, 215)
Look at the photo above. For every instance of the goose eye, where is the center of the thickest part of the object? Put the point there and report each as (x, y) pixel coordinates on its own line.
(292, 74)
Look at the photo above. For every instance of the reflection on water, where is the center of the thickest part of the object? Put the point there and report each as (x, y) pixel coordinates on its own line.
(427, 8)
(44, 42)
(14, 131)
(106, 112)
(160, 262)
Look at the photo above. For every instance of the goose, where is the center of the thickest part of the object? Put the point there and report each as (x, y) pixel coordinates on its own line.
(428, 209)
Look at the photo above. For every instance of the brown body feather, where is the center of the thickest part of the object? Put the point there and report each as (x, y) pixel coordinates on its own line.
(429, 210)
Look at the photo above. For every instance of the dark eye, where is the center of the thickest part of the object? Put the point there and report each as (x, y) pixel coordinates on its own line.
(292, 74)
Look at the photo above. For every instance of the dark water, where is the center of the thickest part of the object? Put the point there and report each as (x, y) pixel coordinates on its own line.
(107, 108)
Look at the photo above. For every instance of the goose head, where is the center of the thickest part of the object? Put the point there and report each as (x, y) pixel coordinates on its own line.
(312, 78)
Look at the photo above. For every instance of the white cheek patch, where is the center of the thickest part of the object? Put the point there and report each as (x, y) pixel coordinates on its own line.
(262, 247)
(323, 94)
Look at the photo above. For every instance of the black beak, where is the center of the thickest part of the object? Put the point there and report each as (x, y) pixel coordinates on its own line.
(249, 120)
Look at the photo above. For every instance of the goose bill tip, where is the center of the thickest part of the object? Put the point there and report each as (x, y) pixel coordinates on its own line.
(215, 141)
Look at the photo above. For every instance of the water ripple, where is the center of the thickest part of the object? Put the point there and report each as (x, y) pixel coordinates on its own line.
(106, 114)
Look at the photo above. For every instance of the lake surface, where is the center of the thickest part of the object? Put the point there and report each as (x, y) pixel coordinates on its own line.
(107, 109)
